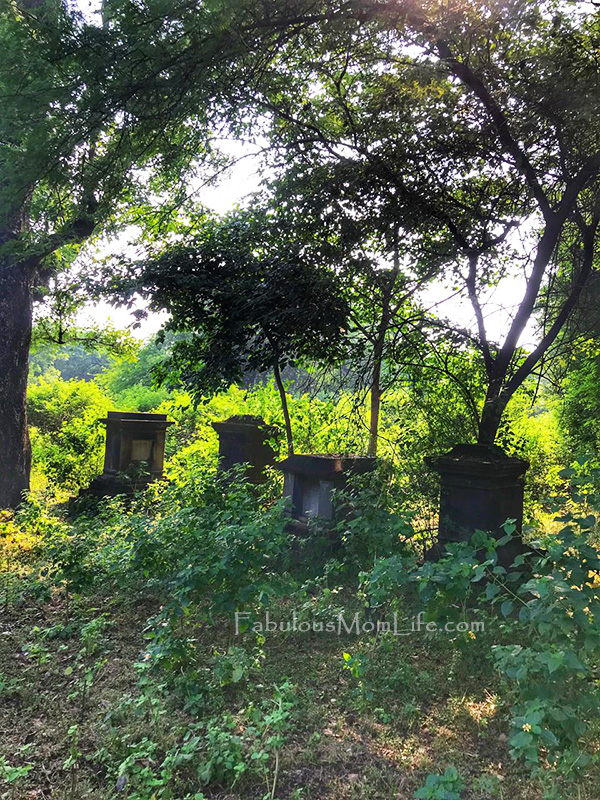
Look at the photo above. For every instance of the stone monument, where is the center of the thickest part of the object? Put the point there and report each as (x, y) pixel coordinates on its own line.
(309, 482)
(481, 488)
(134, 452)
(244, 439)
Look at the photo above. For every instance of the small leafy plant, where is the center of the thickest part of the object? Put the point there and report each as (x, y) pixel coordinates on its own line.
(447, 786)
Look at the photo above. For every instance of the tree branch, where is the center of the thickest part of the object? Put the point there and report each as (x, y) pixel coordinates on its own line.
(510, 144)
(472, 290)
(589, 170)
(523, 371)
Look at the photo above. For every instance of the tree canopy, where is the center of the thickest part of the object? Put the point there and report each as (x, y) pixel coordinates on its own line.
(471, 130)
(248, 298)
(468, 131)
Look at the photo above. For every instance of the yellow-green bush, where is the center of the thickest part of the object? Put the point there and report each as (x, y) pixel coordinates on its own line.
(66, 436)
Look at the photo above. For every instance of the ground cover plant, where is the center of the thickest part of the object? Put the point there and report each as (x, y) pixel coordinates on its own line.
(123, 674)
(415, 271)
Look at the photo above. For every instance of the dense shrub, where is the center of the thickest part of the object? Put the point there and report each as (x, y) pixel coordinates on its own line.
(580, 408)
(540, 621)
(67, 438)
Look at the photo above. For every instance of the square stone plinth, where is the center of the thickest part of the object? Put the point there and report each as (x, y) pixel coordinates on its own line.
(310, 480)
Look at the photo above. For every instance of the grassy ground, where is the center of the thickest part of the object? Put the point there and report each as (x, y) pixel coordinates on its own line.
(80, 717)
(425, 706)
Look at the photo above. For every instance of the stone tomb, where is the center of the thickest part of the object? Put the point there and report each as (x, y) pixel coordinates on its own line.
(481, 487)
(244, 439)
(134, 453)
(309, 482)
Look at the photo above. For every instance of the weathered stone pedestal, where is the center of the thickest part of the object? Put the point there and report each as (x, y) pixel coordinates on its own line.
(134, 454)
(245, 440)
(481, 487)
(309, 482)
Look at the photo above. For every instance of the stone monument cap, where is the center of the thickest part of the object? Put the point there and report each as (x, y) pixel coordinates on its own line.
(478, 458)
(135, 417)
(238, 421)
(324, 465)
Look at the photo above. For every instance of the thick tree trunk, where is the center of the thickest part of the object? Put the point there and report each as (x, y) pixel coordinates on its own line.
(15, 336)
(491, 414)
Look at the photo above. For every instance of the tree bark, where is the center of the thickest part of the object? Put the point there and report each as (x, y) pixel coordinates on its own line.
(491, 414)
(286, 411)
(375, 396)
(500, 390)
(379, 350)
(16, 291)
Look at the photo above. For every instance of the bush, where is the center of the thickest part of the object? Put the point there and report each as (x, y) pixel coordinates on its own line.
(533, 433)
(580, 408)
(67, 438)
(546, 636)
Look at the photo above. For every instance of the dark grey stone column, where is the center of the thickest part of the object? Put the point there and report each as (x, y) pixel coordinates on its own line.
(309, 482)
(481, 487)
(244, 439)
(134, 453)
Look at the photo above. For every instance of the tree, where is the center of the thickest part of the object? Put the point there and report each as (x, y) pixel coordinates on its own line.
(479, 125)
(476, 121)
(349, 231)
(302, 215)
(245, 301)
(86, 106)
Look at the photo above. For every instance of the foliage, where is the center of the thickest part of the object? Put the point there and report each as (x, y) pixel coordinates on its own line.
(553, 672)
(76, 127)
(241, 568)
(72, 362)
(445, 146)
(580, 408)
(67, 438)
(56, 321)
(203, 710)
(243, 301)
(531, 430)
(220, 750)
(13, 774)
(370, 528)
(385, 132)
(92, 134)
(549, 612)
(418, 419)
(128, 378)
(447, 786)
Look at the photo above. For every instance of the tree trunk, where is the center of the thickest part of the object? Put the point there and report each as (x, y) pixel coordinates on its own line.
(491, 414)
(284, 406)
(16, 284)
(375, 398)
(379, 350)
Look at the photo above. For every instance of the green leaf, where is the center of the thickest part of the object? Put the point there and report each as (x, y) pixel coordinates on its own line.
(521, 739)
(568, 472)
(506, 607)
